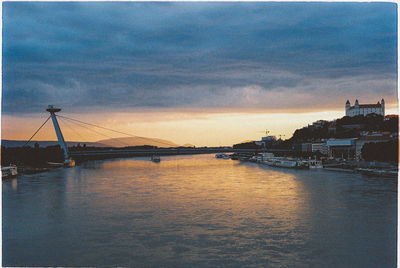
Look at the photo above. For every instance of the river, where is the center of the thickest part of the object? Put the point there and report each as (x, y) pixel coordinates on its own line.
(198, 211)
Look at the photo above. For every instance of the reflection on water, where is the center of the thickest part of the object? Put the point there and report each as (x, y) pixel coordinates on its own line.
(197, 211)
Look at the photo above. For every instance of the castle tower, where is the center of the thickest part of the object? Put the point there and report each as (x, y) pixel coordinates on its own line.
(356, 110)
(347, 107)
(365, 109)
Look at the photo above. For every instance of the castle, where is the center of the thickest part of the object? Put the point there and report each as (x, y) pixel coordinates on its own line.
(364, 109)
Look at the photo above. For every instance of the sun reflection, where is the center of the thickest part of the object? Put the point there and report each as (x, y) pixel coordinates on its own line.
(201, 191)
(14, 185)
(199, 209)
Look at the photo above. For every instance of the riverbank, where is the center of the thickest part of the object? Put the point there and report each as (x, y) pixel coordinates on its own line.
(380, 169)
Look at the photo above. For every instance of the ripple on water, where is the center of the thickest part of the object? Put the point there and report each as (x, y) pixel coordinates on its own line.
(198, 211)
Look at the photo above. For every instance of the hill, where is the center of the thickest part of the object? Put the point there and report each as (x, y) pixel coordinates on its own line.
(188, 145)
(346, 127)
(137, 141)
(19, 143)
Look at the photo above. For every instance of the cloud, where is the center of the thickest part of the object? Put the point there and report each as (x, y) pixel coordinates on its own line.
(201, 55)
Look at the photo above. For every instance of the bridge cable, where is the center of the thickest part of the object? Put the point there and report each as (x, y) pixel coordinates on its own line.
(36, 131)
(99, 133)
(71, 128)
(133, 136)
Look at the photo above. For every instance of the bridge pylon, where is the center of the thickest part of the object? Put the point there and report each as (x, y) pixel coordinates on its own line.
(67, 159)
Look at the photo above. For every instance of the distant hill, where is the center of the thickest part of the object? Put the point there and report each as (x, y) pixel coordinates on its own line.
(116, 142)
(17, 143)
(137, 141)
(188, 145)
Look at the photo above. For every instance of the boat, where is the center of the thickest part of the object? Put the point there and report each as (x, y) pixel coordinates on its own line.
(280, 162)
(270, 160)
(315, 164)
(69, 163)
(377, 172)
(66, 163)
(54, 164)
(253, 158)
(234, 156)
(155, 158)
(223, 156)
(261, 157)
(243, 158)
(9, 172)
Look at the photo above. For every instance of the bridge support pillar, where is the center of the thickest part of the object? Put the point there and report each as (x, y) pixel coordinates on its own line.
(52, 110)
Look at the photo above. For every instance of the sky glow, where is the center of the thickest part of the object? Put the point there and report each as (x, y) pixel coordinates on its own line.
(201, 73)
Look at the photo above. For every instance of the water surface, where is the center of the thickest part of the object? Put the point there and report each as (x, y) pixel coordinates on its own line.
(198, 211)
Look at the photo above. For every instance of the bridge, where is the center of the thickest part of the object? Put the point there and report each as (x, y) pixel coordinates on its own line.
(124, 152)
(82, 154)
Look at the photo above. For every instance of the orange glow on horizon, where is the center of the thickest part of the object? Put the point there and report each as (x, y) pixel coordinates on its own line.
(199, 129)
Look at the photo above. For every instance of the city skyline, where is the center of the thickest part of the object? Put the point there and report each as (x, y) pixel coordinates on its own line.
(207, 74)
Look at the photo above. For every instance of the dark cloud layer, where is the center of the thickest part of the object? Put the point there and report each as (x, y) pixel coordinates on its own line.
(130, 55)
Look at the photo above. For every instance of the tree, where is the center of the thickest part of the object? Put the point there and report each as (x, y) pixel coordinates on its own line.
(382, 151)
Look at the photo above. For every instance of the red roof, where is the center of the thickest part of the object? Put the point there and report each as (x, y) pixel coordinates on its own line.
(370, 106)
(367, 106)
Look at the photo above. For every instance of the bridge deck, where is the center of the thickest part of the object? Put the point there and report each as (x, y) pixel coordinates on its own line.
(111, 153)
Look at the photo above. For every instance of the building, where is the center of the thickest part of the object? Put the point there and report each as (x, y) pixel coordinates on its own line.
(353, 126)
(319, 147)
(306, 147)
(367, 139)
(332, 128)
(266, 141)
(319, 123)
(390, 116)
(342, 148)
(364, 109)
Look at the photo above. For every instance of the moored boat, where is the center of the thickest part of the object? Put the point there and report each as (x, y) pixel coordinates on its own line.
(315, 164)
(377, 172)
(54, 164)
(280, 162)
(9, 172)
(253, 158)
(66, 163)
(223, 156)
(69, 163)
(155, 158)
(234, 156)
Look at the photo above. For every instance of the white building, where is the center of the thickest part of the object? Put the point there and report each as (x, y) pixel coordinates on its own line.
(319, 147)
(344, 148)
(364, 109)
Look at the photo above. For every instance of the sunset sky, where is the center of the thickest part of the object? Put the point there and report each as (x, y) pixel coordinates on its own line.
(200, 73)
